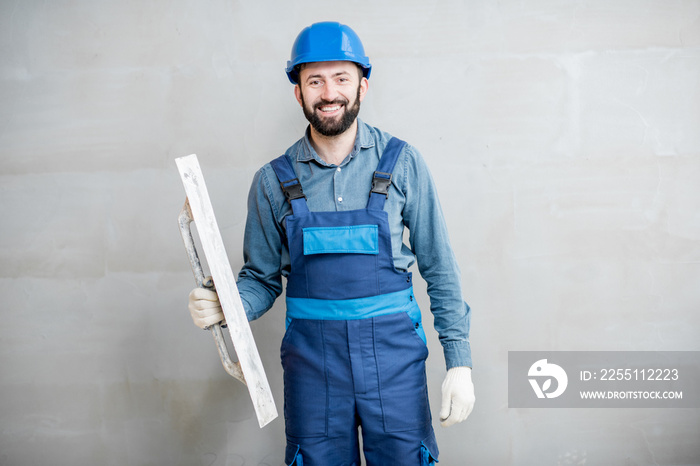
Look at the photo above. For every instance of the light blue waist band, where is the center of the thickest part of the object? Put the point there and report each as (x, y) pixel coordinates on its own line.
(358, 308)
(350, 309)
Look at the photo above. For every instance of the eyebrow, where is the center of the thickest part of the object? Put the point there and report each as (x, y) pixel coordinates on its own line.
(334, 75)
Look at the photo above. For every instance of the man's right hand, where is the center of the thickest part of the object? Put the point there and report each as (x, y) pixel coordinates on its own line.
(205, 307)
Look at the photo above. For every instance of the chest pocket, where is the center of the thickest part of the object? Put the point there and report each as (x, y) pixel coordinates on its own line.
(352, 239)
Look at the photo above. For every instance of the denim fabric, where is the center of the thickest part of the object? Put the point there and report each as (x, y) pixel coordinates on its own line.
(412, 203)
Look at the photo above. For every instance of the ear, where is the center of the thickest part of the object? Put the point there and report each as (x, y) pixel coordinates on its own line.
(297, 94)
(364, 87)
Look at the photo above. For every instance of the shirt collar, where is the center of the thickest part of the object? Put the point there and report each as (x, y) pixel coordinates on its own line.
(363, 140)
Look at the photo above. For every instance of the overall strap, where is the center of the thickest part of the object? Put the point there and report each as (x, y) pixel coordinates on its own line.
(290, 184)
(382, 176)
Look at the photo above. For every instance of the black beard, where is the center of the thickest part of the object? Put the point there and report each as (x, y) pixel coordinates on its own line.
(332, 127)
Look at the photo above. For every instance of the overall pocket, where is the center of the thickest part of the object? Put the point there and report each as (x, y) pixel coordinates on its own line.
(305, 379)
(403, 390)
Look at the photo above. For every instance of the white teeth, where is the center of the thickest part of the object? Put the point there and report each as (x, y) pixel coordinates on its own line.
(330, 109)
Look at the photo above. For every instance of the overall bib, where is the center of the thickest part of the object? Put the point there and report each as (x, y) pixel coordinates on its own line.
(354, 350)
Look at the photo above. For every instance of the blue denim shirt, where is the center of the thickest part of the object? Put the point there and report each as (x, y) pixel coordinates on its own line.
(412, 204)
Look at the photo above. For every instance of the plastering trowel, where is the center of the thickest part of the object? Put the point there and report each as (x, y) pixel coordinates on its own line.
(249, 368)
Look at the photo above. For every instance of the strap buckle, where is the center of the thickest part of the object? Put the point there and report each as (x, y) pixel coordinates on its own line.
(292, 189)
(381, 182)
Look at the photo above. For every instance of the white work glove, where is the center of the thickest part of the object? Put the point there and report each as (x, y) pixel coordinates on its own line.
(205, 307)
(457, 396)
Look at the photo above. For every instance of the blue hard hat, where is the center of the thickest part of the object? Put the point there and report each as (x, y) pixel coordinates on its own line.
(327, 41)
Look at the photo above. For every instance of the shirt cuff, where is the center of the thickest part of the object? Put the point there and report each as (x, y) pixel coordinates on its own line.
(457, 353)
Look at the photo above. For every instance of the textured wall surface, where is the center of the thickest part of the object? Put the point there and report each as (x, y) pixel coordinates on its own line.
(563, 135)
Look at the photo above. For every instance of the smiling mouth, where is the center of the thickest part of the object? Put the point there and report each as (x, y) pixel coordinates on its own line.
(329, 108)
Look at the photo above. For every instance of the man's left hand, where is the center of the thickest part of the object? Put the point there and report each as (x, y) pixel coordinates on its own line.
(457, 396)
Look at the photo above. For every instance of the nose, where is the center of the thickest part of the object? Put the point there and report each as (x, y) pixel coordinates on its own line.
(330, 92)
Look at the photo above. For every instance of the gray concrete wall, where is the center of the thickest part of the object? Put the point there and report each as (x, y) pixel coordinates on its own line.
(564, 136)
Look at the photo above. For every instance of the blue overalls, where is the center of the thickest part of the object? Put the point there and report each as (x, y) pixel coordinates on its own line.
(354, 350)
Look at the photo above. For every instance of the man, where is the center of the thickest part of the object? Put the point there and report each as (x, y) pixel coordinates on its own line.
(329, 215)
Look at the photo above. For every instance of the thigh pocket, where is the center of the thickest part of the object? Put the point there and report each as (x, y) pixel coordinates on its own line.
(429, 451)
(305, 379)
(293, 456)
(401, 358)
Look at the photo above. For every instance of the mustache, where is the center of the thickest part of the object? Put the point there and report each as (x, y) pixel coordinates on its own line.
(338, 101)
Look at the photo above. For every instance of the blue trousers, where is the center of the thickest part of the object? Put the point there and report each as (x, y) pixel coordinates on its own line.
(343, 374)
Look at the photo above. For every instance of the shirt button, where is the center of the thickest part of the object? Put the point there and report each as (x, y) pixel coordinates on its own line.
(340, 199)
(338, 169)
